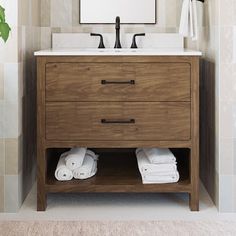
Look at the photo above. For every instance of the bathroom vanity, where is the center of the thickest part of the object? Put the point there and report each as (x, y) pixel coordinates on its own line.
(105, 99)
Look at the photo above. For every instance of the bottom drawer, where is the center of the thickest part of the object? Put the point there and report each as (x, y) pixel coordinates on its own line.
(118, 121)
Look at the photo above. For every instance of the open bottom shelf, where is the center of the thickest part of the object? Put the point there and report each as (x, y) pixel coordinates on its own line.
(117, 172)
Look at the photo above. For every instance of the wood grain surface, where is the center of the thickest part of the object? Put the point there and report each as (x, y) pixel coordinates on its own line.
(146, 101)
(151, 82)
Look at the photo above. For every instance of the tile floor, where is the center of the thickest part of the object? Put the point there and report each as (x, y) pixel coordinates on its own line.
(118, 207)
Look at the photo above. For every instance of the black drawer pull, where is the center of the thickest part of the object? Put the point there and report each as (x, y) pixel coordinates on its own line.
(107, 121)
(118, 82)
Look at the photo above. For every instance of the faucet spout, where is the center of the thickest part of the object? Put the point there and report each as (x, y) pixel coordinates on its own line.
(117, 43)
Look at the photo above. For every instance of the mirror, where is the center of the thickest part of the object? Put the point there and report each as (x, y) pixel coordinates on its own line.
(105, 11)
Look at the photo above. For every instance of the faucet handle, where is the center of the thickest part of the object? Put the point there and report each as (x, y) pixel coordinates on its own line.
(101, 44)
(134, 44)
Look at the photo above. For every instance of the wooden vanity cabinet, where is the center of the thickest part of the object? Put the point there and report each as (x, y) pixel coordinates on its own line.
(117, 102)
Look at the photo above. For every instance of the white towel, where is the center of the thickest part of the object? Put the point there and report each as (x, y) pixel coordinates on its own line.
(158, 155)
(161, 179)
(88, 168)
(188, 22)
(75, 157)
(92, 154)
(157, 174)
(146, 167)
(62, 173)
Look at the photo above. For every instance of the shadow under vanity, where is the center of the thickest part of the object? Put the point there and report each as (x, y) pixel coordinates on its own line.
(162, 101)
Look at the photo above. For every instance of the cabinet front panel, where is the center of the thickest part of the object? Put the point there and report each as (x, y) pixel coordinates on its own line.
(118, 82)
(118, 121)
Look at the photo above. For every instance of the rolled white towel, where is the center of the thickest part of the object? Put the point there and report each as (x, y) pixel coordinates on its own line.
(92, 154)
(159, 155)
(146, 167)
(62, 173)
(161, 179)
(75, 157)
(88, 168)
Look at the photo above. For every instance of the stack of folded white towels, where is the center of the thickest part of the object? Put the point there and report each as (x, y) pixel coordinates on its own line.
(78, 163)
(157, 165)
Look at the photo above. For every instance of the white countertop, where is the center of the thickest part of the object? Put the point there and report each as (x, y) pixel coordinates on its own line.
(118, 52)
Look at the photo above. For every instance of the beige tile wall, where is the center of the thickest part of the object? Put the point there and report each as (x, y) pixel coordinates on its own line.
(219, 45)
(227, 106)
(8, 95)
(1, 82)
(11, 152)
(2, 157)
(17, 74)
(29, 19)
(2, 193)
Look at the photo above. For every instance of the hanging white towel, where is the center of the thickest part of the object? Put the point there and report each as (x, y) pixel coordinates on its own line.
(146, 167)
(88, 168)
(62, 173)
(161, 179)
(189, 22)
(75, 157)
(195, 20)
(158, 155)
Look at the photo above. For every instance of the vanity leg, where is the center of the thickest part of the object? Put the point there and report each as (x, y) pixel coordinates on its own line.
(194, 174)
(41, 200)
(193, 202)
(41, 176)
(41, 194)
(194, 150)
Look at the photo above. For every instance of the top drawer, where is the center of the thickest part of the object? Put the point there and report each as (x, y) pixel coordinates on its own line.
(118, 82)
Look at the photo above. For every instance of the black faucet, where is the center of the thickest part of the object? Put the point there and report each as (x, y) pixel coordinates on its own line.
(101, 44)
(117, 43)
(134, 44)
